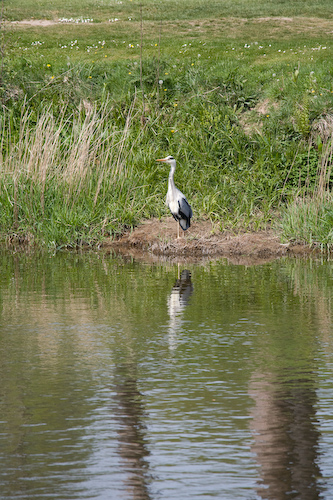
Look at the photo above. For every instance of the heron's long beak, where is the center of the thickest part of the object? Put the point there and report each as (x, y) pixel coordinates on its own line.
(160, 159)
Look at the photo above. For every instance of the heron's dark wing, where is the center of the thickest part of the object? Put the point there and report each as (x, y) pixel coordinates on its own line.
(185, 213)
(185, 209)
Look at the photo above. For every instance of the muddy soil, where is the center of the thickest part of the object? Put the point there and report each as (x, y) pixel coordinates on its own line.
(157, 239)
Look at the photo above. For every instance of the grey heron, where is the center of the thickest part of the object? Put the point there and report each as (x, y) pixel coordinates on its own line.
(176, 201)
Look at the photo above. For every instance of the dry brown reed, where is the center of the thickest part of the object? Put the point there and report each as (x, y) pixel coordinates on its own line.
(80, 153)
(322, 133)
(309, 217)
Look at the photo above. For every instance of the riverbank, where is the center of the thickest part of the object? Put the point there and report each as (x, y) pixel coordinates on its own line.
(244, 102)
(156, 239)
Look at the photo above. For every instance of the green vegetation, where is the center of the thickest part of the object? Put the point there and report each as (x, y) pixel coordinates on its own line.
(242, 99)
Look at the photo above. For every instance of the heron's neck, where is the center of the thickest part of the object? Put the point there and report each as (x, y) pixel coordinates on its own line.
(171, 173)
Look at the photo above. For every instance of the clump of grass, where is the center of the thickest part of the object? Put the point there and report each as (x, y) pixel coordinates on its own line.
(309, 218)
(310, 221)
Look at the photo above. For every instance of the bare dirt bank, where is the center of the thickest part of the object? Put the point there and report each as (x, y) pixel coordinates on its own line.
(157, 239)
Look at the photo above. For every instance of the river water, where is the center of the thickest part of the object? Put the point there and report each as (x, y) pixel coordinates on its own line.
(125, 380)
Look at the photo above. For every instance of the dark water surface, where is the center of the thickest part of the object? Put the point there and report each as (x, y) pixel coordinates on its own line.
(121, 380)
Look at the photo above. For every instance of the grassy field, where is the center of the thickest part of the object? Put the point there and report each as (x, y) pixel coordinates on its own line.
(94, 91)
(102, 10)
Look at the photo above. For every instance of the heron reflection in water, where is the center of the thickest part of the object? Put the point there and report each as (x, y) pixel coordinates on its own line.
(177, 301)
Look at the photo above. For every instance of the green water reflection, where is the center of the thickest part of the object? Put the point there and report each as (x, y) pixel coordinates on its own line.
(153, 381)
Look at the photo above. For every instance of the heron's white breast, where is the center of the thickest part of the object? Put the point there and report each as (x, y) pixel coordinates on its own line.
(173, 205)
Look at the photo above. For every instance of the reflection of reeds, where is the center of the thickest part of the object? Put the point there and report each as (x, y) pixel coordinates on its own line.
(284, 425)
(132, 431)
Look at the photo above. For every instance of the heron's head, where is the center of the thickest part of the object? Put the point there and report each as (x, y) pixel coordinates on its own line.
(169, 159)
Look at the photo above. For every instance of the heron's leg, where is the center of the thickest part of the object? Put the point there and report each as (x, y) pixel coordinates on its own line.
(177, 230)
